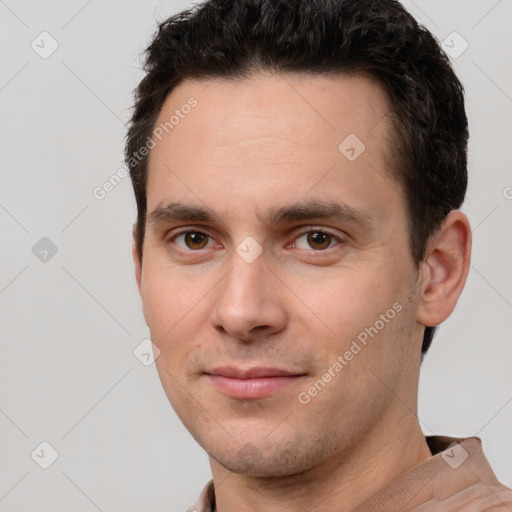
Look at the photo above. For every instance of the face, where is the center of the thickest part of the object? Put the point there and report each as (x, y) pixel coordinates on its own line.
(277, 279)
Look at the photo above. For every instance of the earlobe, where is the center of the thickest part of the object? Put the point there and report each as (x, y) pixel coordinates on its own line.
(445, 269)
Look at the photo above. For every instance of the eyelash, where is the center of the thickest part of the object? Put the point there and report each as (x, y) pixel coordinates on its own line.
(172, 238)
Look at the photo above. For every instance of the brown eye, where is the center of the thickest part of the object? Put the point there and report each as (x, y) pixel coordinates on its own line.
(192, 240)
(316, 240)
(195, 240)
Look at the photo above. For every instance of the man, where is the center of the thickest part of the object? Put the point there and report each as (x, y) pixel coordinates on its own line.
(298, 168)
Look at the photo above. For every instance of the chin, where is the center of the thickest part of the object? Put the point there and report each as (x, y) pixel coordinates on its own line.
(260, 458)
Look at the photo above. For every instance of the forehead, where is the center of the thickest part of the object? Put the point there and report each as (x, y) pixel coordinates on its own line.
(266, 105)
(275, 137)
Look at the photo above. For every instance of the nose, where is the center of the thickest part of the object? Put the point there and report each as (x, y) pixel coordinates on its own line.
(249, 301)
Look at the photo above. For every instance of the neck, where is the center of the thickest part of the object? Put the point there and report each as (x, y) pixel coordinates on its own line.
(339, 483)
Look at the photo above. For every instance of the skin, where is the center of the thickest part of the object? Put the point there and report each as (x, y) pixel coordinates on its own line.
(251, 146)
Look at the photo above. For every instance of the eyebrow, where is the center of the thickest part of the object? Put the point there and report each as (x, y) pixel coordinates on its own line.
(302, 211)
(317, 209)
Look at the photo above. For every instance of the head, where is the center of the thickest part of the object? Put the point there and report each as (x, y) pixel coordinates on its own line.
(316, 153)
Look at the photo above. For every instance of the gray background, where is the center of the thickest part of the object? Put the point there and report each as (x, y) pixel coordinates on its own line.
(70, 324)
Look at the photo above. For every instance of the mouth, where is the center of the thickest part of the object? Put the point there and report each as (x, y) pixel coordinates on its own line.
(252, 383)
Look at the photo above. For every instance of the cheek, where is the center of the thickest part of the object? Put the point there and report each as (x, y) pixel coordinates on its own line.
(350, 299)
(161, 306)
(367, 349)
(165, 287)
(169, 299)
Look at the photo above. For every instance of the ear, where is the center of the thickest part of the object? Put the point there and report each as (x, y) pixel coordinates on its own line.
(136, 259)
(444, 270)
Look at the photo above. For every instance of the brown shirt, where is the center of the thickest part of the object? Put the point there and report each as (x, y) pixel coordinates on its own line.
(456, 478)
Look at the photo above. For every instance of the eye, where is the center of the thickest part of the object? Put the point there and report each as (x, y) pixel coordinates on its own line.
(316, 240)
(192, 240)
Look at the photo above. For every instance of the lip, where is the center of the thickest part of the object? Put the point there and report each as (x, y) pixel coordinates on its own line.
(252, 383)
(251, 373)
